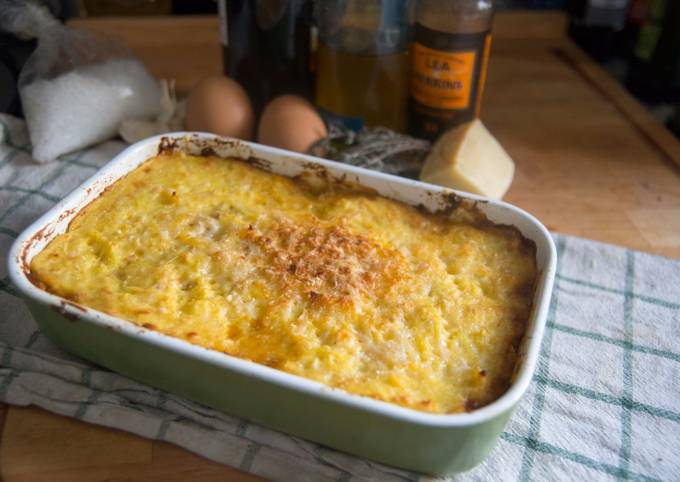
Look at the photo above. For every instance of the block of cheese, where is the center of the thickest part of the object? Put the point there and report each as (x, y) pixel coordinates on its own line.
(469, 158)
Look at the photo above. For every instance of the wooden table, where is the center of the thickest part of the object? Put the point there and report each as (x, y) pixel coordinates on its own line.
(590, 162)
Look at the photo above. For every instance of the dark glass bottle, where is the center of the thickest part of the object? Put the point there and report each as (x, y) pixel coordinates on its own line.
(654, 72)
(597, 26)
(267, 47)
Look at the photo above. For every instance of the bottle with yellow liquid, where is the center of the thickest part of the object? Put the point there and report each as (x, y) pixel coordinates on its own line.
(362, 61)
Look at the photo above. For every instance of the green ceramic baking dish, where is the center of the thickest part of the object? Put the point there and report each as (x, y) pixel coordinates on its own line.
(423, 442)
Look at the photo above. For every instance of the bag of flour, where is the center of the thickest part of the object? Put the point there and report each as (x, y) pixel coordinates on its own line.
(77, 87)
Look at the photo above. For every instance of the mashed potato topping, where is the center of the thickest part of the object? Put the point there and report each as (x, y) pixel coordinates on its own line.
(329, 282)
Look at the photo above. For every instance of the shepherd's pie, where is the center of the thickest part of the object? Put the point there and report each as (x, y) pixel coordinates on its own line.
(319, 279)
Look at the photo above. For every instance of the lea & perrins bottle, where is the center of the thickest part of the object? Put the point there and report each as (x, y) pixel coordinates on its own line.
(449, 56)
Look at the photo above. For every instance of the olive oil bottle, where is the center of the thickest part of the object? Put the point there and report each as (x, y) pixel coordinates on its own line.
(449, 56)
(362, 61)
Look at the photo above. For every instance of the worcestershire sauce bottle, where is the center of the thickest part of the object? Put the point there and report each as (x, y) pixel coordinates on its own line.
(267, 47)
(449, 55)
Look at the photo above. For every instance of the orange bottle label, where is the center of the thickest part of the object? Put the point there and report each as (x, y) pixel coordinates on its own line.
(440, 79)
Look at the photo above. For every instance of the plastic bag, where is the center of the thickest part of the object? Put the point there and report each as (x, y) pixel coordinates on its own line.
(170, 118)
(77, 87)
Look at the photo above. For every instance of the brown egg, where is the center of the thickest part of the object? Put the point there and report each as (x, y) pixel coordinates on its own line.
(220, 105)
(290, 122)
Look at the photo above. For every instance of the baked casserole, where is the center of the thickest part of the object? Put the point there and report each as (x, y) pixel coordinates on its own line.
(310, 276)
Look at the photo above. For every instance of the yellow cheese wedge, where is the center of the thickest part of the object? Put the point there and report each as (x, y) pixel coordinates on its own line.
(470, 159)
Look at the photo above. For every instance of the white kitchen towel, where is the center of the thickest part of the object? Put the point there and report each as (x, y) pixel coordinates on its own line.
(604, 404)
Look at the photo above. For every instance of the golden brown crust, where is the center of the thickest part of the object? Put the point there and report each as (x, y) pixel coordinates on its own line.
(328, 263)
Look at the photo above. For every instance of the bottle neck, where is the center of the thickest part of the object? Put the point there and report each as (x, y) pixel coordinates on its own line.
(455, 16)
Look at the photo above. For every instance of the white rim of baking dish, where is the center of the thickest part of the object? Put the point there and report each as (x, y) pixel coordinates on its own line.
(109, 173)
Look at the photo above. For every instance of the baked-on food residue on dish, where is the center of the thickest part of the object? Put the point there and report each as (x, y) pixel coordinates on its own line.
(321, 280)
